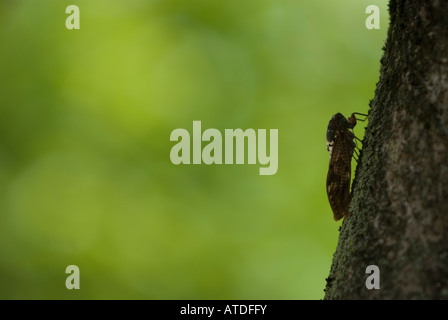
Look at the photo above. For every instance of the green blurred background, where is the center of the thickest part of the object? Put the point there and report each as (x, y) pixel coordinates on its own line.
(85, 121)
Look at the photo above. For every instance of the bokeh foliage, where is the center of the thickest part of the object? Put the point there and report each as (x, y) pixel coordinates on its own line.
(85, 120)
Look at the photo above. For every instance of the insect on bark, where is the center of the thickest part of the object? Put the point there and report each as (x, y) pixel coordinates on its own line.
(341, 145)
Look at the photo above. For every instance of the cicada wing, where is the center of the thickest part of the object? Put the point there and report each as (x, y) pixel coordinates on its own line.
(339, 174)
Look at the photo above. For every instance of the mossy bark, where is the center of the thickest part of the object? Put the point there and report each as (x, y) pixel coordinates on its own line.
(398, 217)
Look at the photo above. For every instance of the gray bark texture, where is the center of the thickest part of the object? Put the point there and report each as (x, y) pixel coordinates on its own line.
(398, 216)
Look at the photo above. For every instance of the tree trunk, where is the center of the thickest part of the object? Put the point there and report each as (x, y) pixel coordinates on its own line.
(398, 216)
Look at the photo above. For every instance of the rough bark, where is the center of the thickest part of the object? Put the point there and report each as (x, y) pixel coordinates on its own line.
(398, 216)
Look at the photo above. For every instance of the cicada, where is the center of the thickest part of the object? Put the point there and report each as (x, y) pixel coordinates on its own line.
(341, 145)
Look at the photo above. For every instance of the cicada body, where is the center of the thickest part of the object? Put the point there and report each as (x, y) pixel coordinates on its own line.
(341, 145)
